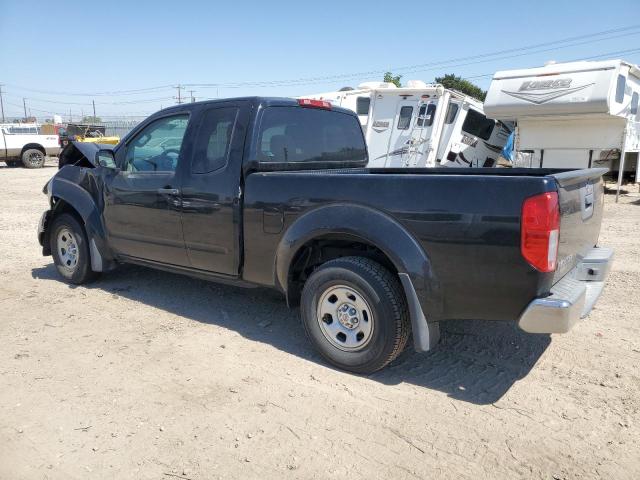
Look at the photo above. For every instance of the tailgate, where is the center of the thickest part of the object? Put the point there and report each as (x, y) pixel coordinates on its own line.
(581, 197)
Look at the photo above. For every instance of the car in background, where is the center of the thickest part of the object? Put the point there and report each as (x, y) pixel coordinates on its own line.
(24, 144)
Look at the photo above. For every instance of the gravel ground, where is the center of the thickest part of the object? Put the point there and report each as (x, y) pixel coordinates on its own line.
(149, 375)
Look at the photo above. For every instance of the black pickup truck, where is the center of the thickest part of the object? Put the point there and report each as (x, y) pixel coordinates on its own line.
(275, 192)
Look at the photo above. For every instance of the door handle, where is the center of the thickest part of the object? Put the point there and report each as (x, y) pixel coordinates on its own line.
(169, 191)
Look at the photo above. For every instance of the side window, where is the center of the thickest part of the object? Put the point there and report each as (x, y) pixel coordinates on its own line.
(404, 121)
(620, 85)
(23, 130)
(214, 140)
(362, 105)
(425, 115)
(478, 125)
(157, 147)
(634, 103)
(452, 111)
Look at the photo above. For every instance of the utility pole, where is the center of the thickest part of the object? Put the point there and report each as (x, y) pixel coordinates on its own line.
(179, 97)
(192, 97)
(1, 103)
(24, 104)
(94, 110)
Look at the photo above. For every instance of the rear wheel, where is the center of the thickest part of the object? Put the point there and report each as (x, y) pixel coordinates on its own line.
(70, 250)
(33, 158)
(355, 314)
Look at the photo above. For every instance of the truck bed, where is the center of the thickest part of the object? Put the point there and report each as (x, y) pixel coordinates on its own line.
(509, 172)
(466, 220)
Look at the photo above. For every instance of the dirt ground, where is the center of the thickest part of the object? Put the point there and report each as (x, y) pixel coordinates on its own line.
(149, 375)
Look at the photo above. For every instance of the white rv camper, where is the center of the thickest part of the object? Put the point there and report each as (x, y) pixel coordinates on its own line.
(571, 115)
(422, 125)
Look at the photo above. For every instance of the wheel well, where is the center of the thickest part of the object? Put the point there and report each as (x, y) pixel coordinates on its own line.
(36, 146)
(59, 207)
(320, 250)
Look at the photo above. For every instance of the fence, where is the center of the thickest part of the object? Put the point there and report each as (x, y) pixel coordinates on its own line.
(119, 128)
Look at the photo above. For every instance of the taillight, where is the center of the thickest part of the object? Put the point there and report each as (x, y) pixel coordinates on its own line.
(307, 102)
(540, 231)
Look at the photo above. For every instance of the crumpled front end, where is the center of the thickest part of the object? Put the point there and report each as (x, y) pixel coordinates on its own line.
(81, 154)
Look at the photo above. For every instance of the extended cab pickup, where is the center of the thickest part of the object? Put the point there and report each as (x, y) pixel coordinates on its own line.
(274, 192)
(23, 144)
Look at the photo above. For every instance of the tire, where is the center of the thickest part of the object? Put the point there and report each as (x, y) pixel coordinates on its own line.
(33, 158)
(70, 250)
(379, 330)
(11, 163)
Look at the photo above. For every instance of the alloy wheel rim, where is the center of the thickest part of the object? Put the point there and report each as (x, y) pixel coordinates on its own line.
(345, 318)
(35, 158)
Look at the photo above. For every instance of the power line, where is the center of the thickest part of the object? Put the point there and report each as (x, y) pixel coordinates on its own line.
(113, 93)
(403, 69)
(181, 86)
(126, 102)
(608, 54)
(443, 63)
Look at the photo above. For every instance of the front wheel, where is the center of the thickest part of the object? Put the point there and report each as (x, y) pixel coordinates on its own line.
(355, 314)
(70, 250)
(33, 158)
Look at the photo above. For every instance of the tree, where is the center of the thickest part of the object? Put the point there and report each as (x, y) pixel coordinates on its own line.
(395, 79)
(91, 120)
(454, 82)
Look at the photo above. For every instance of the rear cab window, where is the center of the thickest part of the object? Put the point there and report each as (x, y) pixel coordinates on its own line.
(297, 135)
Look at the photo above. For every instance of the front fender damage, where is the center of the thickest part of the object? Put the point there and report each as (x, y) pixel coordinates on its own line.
(78, 190)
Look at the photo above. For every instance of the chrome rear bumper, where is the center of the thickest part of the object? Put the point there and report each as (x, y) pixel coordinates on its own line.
(572, 298)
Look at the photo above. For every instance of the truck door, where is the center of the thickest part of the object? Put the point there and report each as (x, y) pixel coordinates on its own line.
(142, 201)
(211, 208)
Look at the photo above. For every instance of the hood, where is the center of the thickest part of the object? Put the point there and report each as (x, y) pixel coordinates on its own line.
(81, 154)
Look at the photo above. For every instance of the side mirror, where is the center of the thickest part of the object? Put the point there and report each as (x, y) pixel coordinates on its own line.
(105, 158)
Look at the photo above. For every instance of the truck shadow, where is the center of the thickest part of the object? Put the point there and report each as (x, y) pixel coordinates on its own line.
(476, 361)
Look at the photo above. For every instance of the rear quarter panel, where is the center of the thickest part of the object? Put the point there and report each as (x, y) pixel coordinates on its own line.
(468, 225)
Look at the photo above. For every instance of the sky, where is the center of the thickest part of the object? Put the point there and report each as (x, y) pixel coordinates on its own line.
(129, 56)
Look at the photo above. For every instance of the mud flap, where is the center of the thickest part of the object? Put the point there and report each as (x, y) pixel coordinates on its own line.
(425, 335)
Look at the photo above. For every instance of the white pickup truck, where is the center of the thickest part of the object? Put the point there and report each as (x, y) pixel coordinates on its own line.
(24, 144)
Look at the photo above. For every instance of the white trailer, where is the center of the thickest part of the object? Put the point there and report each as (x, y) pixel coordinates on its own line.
(422, 125)
(571, 115)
